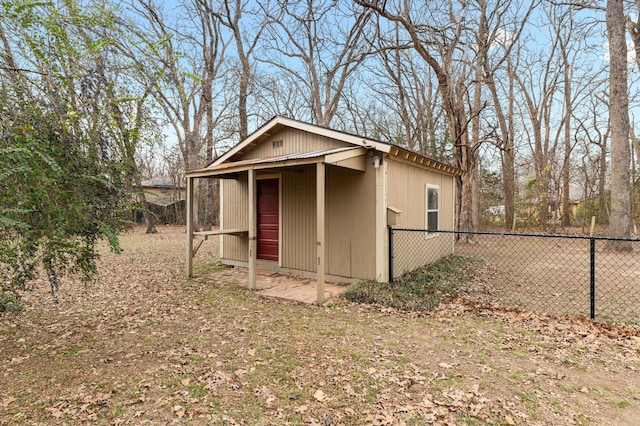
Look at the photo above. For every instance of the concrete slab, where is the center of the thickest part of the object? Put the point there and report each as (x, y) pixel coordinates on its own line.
(282, 286)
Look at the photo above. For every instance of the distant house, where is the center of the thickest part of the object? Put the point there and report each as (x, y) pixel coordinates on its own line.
(305, 199)
(576, 198)
(165, 199)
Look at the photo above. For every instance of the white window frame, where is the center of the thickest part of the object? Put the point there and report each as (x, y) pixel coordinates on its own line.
(427, 210)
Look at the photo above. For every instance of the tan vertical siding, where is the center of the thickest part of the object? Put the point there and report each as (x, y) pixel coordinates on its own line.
(350, 209)
(406, 191)
(235, 216)
(351, 222)
(299, 219)
(293, 141)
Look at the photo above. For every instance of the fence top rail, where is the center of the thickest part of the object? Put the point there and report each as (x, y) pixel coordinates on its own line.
(520, 234)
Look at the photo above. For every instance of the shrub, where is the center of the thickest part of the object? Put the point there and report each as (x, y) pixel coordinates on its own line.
(419, 290)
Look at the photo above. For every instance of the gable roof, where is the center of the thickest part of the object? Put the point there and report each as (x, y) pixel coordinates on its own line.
(278, 122)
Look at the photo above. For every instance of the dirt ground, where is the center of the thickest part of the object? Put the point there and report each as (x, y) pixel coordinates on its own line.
(143, 345)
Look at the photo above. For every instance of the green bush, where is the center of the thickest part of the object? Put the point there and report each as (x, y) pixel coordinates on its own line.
(58, 198)
(419, 290)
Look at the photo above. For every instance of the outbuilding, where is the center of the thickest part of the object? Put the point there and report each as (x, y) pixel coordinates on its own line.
(304, 199)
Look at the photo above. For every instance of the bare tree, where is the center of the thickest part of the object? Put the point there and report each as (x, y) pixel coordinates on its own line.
(278, 94)
(317, 45)
(188, 63)
(497, 36)
(594, 133)
(580, 82)
(435, 33)
(246, 37)
(538, 82)
(405, 88)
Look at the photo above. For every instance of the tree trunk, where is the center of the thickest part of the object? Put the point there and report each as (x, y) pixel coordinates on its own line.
(149, 221)
(634, 170)
(508, 158)
(475, 137)
(507, 154)
(566, 164)
(208, 200)
(602, 178)
(245, 77)
(192, 146)
(619, 224)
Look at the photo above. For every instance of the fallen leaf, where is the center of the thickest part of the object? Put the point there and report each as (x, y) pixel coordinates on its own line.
(179, 410)
(301, 409)
(508, 420)
(319, 395)
(251, 352)
(445, 365)
(5, 402)
(55, 412)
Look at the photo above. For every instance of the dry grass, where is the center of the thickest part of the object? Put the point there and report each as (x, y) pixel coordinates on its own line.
(145, 346)
(552, 275)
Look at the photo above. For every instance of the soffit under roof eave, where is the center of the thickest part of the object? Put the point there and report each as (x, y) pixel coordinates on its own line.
(406, 156)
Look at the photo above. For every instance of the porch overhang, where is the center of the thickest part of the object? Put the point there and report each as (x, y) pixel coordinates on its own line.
(353, 158)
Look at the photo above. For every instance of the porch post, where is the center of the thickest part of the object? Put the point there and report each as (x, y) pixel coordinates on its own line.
(320, 234)
(189, 227)
(382, 252)
(252, 229)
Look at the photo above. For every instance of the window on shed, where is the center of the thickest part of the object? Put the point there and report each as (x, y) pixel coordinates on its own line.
(433, 193)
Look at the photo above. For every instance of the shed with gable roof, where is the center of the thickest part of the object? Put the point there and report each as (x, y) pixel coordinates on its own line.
(305, 199)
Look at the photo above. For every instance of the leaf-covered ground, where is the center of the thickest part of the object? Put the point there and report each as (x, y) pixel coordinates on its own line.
(143, 345)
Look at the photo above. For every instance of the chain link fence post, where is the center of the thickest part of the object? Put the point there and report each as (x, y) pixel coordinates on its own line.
(390, 254)
(592, 277)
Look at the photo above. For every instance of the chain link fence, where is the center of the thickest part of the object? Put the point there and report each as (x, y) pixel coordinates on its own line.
(591, 276)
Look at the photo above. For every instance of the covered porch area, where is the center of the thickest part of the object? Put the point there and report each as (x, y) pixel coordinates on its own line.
(248, 174)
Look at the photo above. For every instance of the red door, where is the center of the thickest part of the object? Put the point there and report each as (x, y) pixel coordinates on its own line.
(268, 219)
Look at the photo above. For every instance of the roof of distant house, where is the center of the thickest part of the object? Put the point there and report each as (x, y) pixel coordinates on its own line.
(158, 182)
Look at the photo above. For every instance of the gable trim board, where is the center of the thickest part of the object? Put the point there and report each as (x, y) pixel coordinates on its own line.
(343, 157)
(334, 192)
